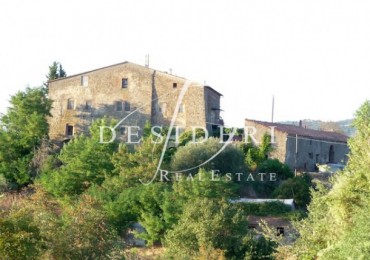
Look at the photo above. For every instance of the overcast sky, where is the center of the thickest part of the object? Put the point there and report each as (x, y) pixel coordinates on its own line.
(314, 56)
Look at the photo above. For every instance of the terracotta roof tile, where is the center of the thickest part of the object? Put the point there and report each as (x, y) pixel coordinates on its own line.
(305, 132)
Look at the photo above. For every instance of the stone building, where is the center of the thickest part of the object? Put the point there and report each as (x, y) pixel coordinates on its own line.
(136, 93)
(299, 147)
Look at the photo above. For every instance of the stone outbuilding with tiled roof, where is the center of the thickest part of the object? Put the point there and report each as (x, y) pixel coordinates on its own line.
(299, 147)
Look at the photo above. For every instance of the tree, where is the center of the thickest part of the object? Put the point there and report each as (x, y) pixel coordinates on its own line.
(337, 224)
(41, 227)
(81, 163)
(23, 128)
(20, 237)
(230, 160)
(255, 155)
(207, 224)
(297, 188)
(56, 71)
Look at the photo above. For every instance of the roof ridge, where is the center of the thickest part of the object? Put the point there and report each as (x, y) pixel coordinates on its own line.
(301, 131)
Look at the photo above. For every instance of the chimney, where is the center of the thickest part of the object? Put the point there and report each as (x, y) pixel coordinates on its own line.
(147, 61)
(300, 123)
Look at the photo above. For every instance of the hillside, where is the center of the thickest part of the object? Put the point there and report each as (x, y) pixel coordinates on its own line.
(344, 126)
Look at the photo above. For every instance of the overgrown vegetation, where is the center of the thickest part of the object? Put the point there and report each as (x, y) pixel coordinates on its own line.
(80, 202)
(337, 225)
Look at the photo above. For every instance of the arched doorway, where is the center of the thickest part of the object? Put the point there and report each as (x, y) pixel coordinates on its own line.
(331, 154)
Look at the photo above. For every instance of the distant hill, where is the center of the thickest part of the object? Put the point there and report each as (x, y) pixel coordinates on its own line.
(342, 126)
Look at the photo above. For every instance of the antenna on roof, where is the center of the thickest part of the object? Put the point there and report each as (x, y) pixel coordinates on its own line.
(273, 109)
(147, 60)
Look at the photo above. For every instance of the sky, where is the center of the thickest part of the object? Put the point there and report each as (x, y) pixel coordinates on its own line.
(313, 56)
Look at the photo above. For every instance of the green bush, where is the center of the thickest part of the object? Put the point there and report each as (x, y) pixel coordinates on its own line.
(194, 154)
(297, 188)
(81, 163)
(282, 170)
(20, 237)
(266, 188)
(265, 209)
(207, 224)
(41, 227)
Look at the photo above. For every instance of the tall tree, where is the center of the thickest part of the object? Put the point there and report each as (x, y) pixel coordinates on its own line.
(337, 226)
(23, 127)
(56, 71)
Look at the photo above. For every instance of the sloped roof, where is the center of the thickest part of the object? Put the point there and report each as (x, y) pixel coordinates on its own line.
(294, 130)
(127, 62)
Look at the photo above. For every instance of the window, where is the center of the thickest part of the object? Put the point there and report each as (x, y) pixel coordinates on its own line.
(280, 231)
(69, 130)
(252, 226)
(70, 104)
(174, 85)
(122, 130)
(127, 106)
(181, 108)
(84, 81)
(119, 106)
(88, 105)
(124, 82)
(310, 155)
(331, 154)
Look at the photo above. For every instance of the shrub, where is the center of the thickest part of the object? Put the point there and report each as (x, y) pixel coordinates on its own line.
(265, 209)
(20, 237)
(297, 188)
(207, 225)
(193, 155)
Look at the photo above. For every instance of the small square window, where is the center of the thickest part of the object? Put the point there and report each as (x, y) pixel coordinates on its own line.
(174, 85)
(84, 81)
(70, 104)
(124, 82)
(280, 231)
(88, 105)
(69, 130)
(127, 106)
(119, 106)
(252, 226)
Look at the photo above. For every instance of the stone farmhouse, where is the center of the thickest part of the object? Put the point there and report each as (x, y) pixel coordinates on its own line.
(302, 148)
(129, 90)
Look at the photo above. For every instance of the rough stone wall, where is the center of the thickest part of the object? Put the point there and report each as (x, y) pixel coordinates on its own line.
(310, 152)
(166, 96)
(151, 94)
(103, 91)
(279, 147)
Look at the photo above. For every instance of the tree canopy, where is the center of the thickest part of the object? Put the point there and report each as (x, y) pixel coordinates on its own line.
(23, 128)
